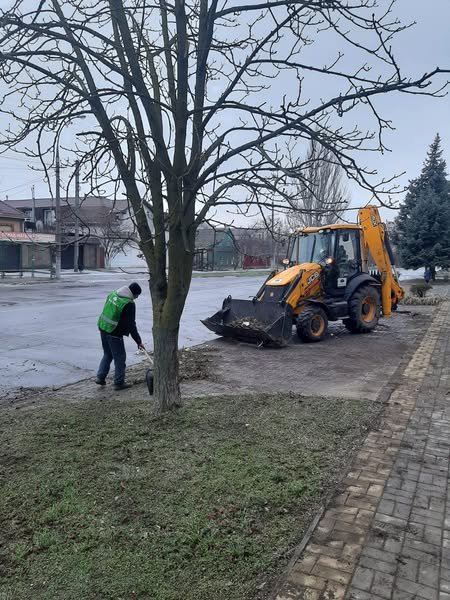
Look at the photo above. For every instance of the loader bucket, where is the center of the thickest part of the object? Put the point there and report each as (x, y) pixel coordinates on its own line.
(253, 321)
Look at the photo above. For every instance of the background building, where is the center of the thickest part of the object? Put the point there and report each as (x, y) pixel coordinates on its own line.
(104, 227)
(22, 248)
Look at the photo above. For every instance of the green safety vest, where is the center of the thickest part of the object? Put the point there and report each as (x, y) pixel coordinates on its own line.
(114, 305)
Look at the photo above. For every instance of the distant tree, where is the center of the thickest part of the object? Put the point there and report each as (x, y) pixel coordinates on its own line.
(422, 231)
(320, 196)
(114, 236)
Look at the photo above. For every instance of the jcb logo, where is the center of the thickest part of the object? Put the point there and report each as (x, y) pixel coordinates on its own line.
(312, 277)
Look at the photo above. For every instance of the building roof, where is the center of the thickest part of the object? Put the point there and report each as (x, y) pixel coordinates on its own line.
(87, 202)
(9, 212)
(92, 209)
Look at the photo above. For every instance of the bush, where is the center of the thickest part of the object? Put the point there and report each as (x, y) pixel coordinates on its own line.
(420, 289)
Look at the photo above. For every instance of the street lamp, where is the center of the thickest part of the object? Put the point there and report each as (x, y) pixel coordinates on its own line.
(58, 216)
(58, 210)
(76, 244)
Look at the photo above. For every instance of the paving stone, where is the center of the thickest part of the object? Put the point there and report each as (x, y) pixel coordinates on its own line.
(432, 535)
(421, 591)
(334, 574)
(362, 578)
(307, 562)
(382, 585)
(354, 594)
(331, 548)
(377, 565)
(298, 579)
(408, 568)
(393, 545)
(333, 563)
(429, 575)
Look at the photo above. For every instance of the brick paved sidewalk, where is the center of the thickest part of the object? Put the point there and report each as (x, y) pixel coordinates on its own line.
(387, 535)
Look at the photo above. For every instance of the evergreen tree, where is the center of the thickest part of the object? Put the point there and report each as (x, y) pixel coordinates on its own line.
(423, 223)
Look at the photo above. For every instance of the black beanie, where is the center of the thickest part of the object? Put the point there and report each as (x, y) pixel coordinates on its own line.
(135, 289)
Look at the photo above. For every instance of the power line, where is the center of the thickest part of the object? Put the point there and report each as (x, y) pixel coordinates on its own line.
(23, 159)
(21, 185)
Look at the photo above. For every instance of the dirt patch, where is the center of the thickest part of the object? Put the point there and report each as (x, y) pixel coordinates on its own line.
(344, 364)
(195, 364)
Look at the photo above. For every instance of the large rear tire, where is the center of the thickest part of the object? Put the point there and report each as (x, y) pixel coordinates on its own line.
(312, 324)
(364, 308)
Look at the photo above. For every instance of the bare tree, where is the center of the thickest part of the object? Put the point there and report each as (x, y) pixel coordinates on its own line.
(114, 236)
(192, 105)
(321, 196)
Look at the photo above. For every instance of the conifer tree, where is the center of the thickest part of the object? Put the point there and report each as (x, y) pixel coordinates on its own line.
(423, 223)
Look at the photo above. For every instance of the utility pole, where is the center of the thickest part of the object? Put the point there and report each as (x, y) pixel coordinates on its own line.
(33, 217)
(58, 217)
(273, 236)
(33, 214)
(76, 246)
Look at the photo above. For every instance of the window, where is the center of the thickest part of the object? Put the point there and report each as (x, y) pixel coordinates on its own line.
(49, 216)
(347, 252)
(315, 247)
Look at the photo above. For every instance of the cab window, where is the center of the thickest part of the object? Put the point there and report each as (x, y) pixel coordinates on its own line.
(347, 252)
(315, 247)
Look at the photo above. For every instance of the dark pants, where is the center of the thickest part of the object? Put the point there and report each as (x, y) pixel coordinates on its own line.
(113, 349)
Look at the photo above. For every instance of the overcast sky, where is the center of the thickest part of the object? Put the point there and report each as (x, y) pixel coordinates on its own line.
(416, 119)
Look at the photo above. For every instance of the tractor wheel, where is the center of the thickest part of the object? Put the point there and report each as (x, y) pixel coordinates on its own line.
(363, 310)
(312, 324)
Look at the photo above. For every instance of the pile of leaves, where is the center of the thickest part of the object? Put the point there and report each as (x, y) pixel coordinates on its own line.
(422, 300)
(420, 289)
(248, 323)
(196, 363)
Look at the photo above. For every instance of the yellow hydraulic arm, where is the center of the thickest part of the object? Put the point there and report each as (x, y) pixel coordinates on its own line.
(373, 241)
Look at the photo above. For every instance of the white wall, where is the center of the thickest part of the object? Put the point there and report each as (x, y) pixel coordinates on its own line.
(128, 258)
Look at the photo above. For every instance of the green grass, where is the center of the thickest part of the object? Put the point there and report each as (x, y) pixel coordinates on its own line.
(98, 501)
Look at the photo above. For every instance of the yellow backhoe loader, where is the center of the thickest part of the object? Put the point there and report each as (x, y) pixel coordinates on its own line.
(340, 271)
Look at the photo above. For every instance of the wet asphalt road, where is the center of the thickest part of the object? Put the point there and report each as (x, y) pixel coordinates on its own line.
(48, 330)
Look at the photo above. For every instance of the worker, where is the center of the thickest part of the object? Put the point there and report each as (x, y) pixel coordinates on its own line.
(118, 318)
(341, 257)
(427, 274)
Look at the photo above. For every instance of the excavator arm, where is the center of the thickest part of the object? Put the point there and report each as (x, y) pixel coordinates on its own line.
(375, 242)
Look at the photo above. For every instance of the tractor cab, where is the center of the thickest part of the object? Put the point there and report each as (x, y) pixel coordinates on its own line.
(337, 248)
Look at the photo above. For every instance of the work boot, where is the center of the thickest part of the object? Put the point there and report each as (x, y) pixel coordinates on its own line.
(99, 381)
(122, 386)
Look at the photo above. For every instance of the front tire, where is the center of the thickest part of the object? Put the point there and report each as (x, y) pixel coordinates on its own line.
(364, 308)
(312, 324)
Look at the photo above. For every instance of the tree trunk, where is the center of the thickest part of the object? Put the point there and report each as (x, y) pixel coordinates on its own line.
(433, 273)
(166, 390)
